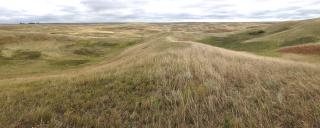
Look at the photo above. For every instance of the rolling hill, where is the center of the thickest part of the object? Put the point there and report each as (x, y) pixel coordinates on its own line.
(269, 40)
(164, 79)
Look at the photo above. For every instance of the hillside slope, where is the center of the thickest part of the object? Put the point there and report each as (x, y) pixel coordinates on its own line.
(164, 82)
(298, 36)
(296, 32)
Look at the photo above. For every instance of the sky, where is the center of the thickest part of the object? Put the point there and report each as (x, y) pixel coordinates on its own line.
(87, 11)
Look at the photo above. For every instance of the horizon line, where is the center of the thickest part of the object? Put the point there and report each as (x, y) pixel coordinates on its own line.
(132, 22)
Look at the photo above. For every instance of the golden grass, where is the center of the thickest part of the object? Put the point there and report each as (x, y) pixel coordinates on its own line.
(168, 82)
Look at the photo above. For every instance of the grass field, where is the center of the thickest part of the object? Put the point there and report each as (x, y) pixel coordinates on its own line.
(267, 41)
(158, 75)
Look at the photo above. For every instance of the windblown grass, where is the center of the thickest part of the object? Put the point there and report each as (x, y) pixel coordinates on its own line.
(191, 86)
(167, 82)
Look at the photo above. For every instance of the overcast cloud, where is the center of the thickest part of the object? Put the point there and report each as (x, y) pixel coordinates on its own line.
(15, 11)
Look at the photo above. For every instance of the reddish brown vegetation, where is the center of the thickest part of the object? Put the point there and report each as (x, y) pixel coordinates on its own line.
(304, 49)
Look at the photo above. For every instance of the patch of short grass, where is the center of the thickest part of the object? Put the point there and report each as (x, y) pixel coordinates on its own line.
(1, 54)
(302, 40)
(257, 32)
(235, 42)
(99, 47)
(72, 62)
(26, 54)
(93, 43)
(87, 52)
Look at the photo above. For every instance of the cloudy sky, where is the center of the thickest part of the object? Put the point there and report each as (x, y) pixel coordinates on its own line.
(15, 11)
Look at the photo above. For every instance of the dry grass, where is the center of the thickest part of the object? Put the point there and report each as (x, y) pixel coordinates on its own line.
(164, 82)
(28, 50)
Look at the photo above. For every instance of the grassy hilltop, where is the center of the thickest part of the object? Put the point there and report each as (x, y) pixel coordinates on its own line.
(160, 75)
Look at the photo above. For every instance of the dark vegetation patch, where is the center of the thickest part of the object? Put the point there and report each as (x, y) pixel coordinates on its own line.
(72, 62)
(20, 57)
(302, 40)
(98, 47)
(91, 43)
(129, 43)
(105, 44)
(257, 32)
(26, 54)
(59, 33)
(90, 47)
(87, 52)
(1, 54)
(3, 60)
(306, 49)
(88, 43)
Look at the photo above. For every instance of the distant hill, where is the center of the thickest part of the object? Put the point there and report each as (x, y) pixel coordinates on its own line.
(294, 32)
(268, 40)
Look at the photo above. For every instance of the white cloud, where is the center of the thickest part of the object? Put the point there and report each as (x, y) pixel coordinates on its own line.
(13, 11)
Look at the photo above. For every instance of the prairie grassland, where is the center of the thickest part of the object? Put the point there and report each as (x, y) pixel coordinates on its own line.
(269, 40)
(168, 80)
(28, 50)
